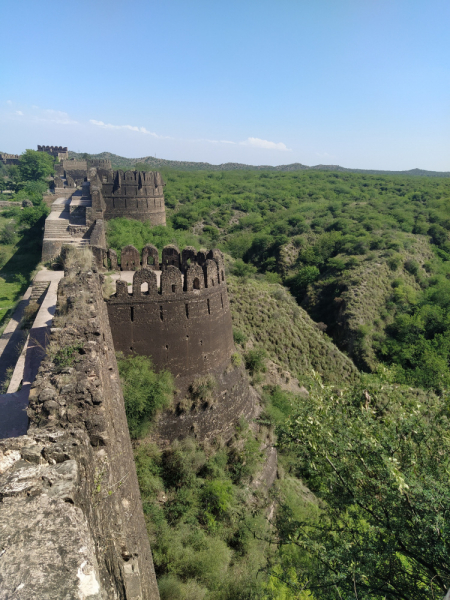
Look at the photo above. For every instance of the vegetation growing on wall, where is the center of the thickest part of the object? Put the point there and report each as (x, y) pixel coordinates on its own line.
(145, 392)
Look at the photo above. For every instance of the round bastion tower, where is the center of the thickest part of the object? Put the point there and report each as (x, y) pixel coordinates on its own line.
(184, 325)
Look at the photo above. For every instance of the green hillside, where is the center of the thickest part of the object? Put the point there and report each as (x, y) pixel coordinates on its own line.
(330, 274)
(153, 163)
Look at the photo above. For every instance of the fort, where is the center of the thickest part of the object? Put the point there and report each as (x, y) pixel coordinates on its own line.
(63, 464)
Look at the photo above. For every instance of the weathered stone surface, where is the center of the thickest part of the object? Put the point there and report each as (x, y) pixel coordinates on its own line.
(134, 194)
(71, 520)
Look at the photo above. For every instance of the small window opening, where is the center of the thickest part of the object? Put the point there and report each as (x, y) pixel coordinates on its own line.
(209, 308)
(187, 310)
(221, 299)
(150, 260)
(167, 347)
(132, 313)
(196, 283)
(222, 276)
(174, 288)
(212, 282)
(161, 316)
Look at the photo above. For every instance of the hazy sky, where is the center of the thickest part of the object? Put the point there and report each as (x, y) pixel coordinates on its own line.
(359, 83)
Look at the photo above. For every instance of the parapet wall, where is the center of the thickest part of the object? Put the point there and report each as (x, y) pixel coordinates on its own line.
(100, 163)
(70, 511)
(9, 159)
(185, 324)
(56, 151)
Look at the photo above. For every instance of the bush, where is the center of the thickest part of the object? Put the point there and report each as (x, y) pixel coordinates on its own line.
(239, 337)
(145, 392)
(8, 234)
(394, 262)
(203, 388)
(411, 266)
(255, 360)
(236, 359)
(242, 269)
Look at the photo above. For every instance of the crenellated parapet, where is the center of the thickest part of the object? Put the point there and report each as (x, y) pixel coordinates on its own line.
(132, 260)
(179, 316)
(55, 151)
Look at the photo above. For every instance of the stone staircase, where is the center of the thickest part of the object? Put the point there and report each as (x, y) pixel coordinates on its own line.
(66, 224)
(38, 291)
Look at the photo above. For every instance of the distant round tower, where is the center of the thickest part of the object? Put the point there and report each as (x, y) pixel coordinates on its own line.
(135, 195)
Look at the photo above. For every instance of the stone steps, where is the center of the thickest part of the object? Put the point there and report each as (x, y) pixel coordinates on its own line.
(38, 291)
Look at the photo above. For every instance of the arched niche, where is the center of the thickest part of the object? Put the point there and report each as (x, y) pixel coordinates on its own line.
(145, 276)
(170, 257)
(194, 278)
(150, 257)
(211, 273)
(130, 259)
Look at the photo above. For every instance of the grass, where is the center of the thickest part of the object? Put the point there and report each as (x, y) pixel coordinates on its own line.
(266, 316)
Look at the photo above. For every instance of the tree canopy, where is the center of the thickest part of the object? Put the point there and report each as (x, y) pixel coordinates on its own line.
(34, 166)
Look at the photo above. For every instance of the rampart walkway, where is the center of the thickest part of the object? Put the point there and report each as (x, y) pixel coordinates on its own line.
(13, 404)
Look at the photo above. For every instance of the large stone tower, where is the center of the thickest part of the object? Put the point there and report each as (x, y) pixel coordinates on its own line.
(134, 194)
(184, 325)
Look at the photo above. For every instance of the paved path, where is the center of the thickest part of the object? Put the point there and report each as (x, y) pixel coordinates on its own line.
(13, 338)
(13, 405)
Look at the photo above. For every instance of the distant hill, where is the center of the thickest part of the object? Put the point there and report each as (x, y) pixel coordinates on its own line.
(120, 162)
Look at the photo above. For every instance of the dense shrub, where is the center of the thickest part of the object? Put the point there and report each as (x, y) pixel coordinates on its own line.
(145, 392)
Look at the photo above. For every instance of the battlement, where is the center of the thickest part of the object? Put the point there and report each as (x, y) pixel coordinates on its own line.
(122, 182)
(56, 151)
(9, 159)
(101, 163)
(132, 260)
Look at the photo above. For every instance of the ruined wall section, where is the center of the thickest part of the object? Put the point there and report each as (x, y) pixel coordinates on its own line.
(76, 169)
(70, 511)
(134, 194)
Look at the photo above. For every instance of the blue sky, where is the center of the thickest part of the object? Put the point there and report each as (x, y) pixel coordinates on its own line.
(360, 83)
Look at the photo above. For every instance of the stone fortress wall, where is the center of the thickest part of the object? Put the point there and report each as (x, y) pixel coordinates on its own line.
(9, 159)
(55, 151)
(71, 517)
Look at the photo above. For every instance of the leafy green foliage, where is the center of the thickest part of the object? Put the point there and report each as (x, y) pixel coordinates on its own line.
(378, 457)
(122, 232)
(201, 514)
(34, 166)
(145, 392)
(254, 360)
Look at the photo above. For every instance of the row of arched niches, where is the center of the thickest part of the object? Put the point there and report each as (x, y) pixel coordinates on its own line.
(184, 271)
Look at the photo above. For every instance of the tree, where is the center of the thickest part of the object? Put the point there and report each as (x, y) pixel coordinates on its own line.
(378, 458)
(35, 165)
